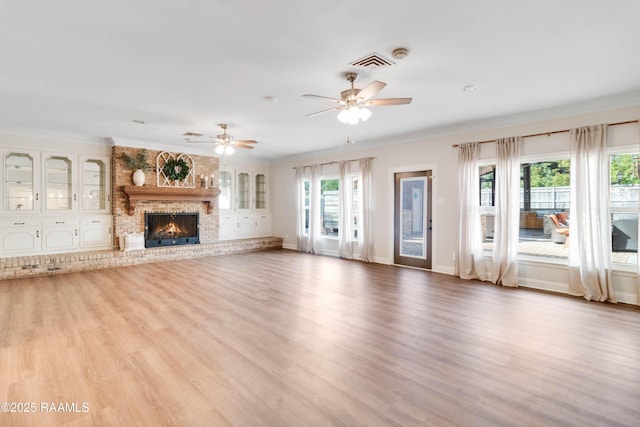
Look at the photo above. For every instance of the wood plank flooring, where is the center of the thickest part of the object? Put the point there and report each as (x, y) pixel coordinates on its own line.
(280, 338)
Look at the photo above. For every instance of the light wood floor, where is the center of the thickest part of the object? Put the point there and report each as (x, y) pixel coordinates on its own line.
(281, 338)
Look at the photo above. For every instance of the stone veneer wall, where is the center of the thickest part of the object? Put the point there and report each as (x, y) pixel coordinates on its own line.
(125, 223)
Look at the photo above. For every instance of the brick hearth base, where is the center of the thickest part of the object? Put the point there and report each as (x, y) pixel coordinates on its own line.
(27, 266)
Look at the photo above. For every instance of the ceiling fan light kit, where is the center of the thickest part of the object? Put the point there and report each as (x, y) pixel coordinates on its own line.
(354, 115)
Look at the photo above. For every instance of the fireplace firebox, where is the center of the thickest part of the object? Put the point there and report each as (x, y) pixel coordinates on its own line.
(169, 229)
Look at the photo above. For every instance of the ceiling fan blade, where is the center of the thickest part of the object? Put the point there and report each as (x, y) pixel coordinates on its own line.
(386, 101)
(317, 113)
(245, 141)
(243, 146)
(199, 141)
(370, 90)
(324, 97)
(192, 134)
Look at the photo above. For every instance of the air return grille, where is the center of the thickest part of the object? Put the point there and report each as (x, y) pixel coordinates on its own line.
(373, 60)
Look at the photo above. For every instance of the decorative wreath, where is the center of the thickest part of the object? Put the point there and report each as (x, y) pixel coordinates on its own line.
(176, 170)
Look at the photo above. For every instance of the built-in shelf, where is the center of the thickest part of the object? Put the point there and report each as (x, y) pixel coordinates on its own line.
(136, 194)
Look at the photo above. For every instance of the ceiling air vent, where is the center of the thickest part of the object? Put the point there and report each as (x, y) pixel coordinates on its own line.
(372, 61)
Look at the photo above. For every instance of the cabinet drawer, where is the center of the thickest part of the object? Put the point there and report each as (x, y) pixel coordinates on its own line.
(60, 221)
(20, 222)
(97, 220)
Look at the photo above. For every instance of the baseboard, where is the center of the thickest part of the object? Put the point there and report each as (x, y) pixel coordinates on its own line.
(451, 271)
(543, 285)
(290, 246)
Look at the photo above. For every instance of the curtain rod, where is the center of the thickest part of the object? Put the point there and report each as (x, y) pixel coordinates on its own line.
(551, 133)
(334, 161)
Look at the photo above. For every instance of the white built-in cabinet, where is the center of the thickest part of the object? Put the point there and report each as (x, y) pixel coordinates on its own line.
(54, 202)
(243, 203)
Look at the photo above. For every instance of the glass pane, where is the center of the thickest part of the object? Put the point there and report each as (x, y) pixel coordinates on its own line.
(487, 185)
(261, 191)
(545, 197)
(354, 207)
(224, 199)
(329, 206)
(59, 183)
(19, 182)
(624, 194)
(94, 189)
(243, 190)
(412, 217)
(307, 193)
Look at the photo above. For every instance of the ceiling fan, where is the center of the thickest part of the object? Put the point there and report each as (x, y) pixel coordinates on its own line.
(224, 144)
(353, 101)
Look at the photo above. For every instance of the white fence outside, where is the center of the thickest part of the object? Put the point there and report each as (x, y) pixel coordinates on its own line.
(622, 197)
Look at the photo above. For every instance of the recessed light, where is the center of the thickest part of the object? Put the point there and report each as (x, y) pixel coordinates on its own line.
(270, 98)
(470, 88)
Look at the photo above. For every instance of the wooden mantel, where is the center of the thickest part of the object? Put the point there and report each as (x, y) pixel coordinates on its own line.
(172, 194)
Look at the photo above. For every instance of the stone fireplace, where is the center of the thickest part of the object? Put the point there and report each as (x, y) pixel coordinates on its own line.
(168, 229)
(130, 217)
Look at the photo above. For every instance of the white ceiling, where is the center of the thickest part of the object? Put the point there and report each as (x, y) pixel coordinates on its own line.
(89, 68)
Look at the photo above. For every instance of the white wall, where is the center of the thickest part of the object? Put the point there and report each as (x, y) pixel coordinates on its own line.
(436, 153)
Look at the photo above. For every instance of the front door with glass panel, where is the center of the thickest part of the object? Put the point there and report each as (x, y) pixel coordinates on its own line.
(412, 219)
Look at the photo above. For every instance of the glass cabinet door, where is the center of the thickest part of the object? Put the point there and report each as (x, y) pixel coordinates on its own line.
(59, 183)
(94, 185)
(226, 190)
(244, 191)
(20, 179)
(260, 191)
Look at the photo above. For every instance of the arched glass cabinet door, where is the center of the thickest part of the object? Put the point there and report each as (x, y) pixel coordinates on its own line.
(244, 191)
(59, 190)
(95, 185)
(20, 192)
(226, 190)
(260, 189)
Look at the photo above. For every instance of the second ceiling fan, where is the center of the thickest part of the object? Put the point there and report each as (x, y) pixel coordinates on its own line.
(353, 101)
(224, 144)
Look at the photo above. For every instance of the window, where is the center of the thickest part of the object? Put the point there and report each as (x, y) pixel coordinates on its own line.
(487, 202)
(624, 190)
(355, 182)
(544, 191)
(545, 197)
(307, 198)
(329, 206)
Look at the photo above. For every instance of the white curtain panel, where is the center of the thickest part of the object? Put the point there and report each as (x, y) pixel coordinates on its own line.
(638, 236)
(589, 222)
(365, 206)
(301, 236)
(345, 230)
(470, 259)
(507, 220)
(314, 211)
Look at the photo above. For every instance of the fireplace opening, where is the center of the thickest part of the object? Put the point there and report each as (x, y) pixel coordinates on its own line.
(169, 229)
